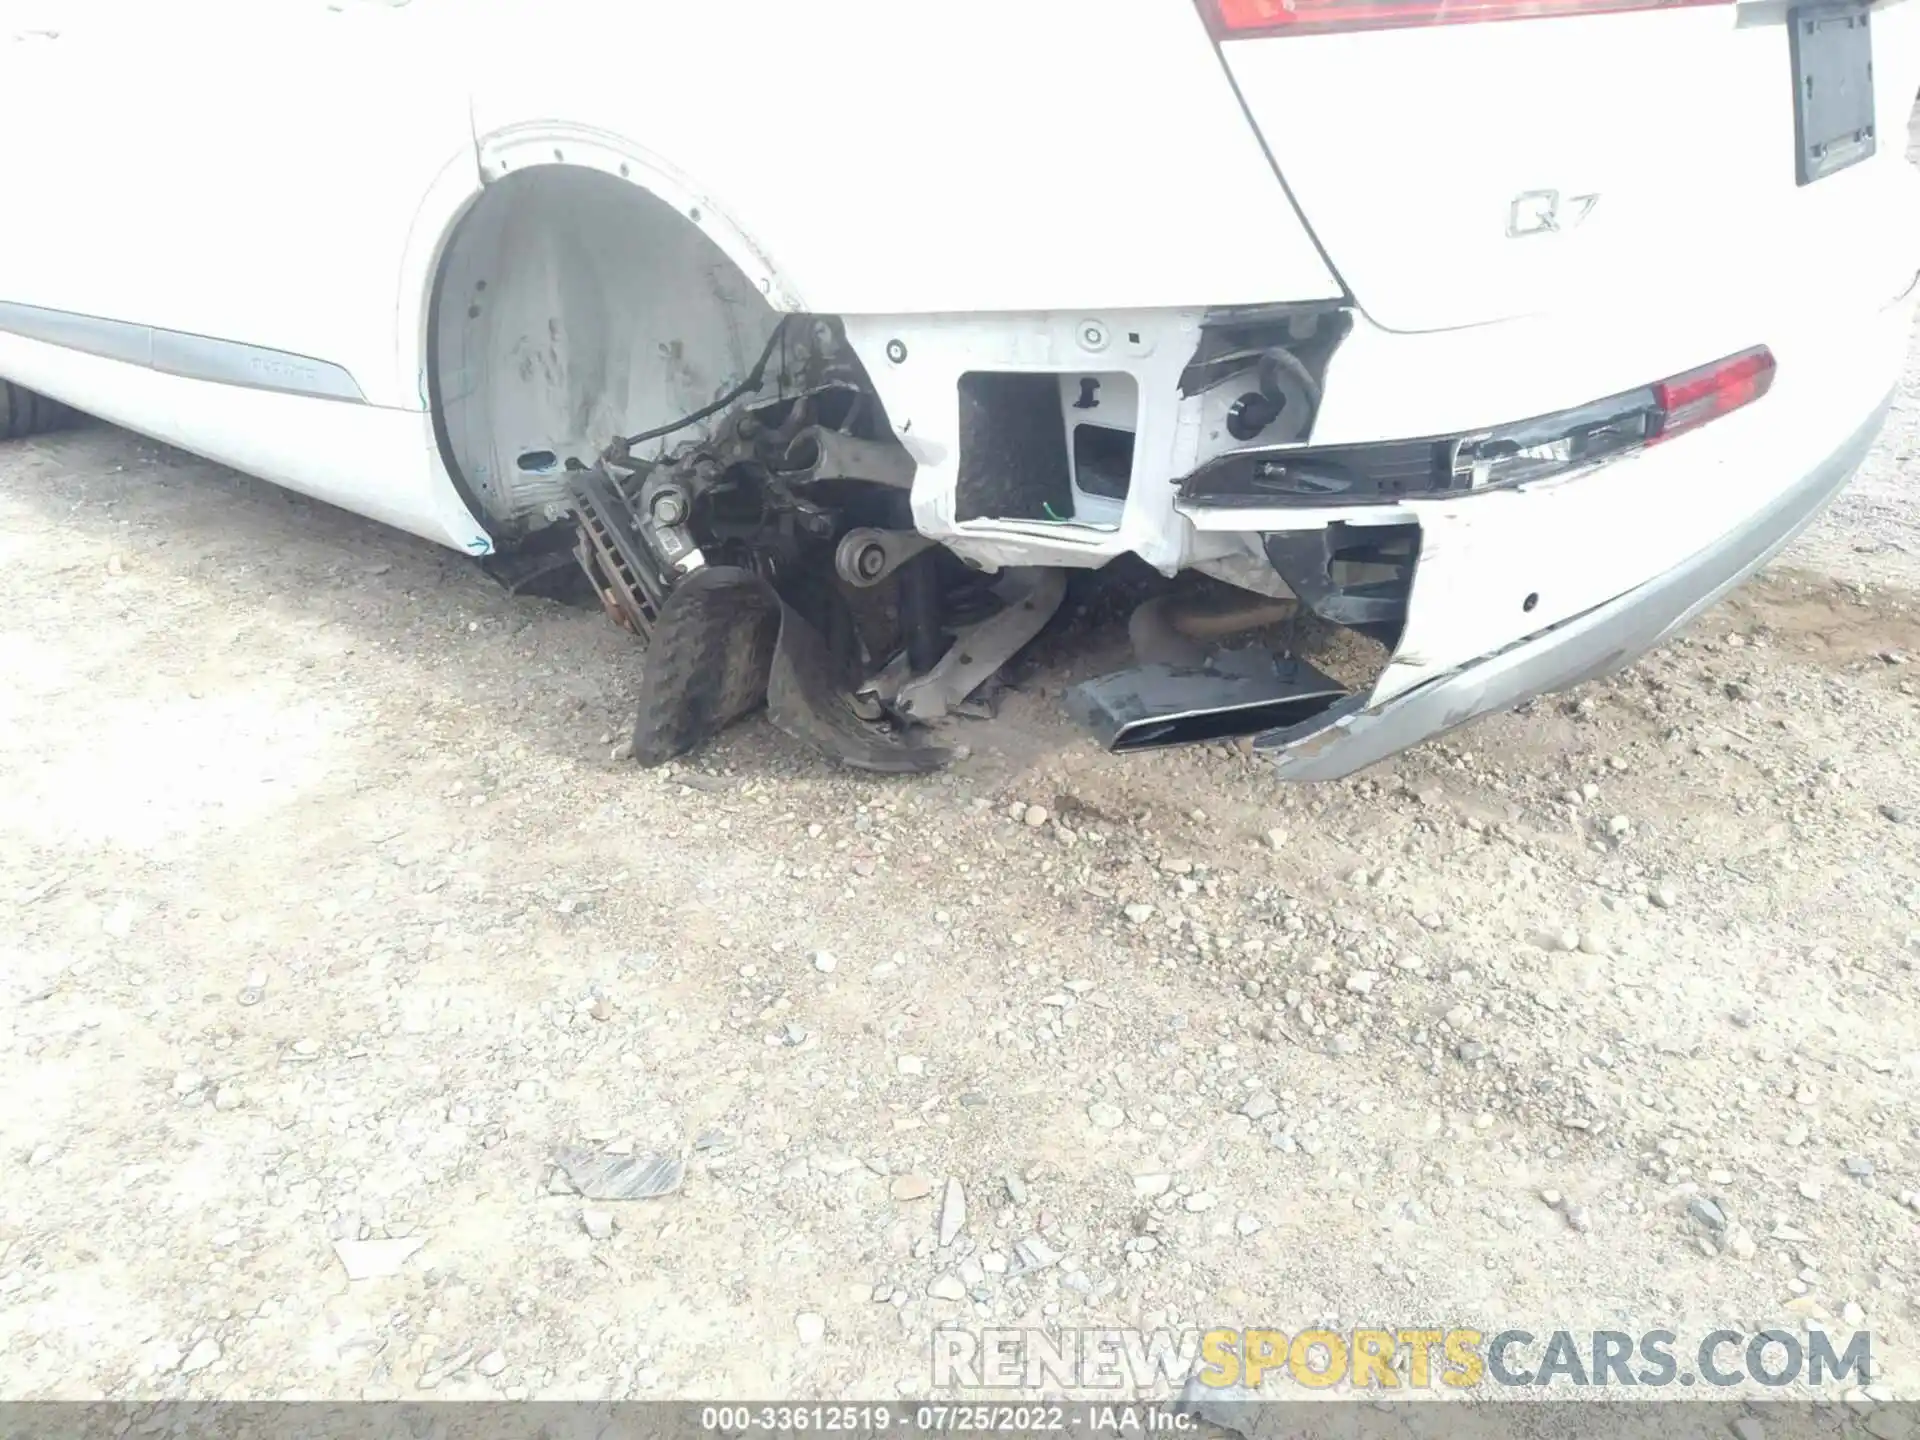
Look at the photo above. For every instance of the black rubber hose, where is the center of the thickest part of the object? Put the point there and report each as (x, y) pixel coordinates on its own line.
(745, 387)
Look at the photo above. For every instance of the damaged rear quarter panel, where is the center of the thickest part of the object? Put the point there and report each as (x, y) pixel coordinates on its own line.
(887, 158)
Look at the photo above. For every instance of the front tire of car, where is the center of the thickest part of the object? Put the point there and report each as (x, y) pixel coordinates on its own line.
(23, 413)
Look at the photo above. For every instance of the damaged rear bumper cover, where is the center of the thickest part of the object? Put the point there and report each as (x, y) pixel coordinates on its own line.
(1354, 733)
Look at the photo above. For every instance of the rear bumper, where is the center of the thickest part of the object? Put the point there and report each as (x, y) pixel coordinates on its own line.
(1595, 643)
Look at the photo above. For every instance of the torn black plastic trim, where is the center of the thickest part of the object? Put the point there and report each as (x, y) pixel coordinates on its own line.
(1384, 472)
(1233, 340)
(1360, 576)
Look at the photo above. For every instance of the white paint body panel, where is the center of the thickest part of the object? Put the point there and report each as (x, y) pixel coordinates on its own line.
(887, 157)
(378, 462)
(1406, 150)
(275, 172)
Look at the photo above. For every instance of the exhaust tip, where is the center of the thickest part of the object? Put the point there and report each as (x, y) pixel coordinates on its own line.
(1237, 692)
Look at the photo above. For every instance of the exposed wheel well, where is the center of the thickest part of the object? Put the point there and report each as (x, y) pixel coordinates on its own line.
(572, 306)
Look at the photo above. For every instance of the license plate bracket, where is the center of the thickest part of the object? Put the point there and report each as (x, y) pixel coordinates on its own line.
(1833, 120)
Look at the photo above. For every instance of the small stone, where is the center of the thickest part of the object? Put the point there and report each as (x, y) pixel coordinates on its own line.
(597, 1223)
(1741, 1244)
(1200, 1200)
(1276, 839)
(42, 1155)
(1361, 982)
(493, 1363)
(1619, 827)
(1893, 813)
(1665, 896)
(188, 1082)
(1247, 1224)
(1859, 1167)
(1034, 816)
(947, 1287)
(910, 1065)
(824, 962)
(373, 1259)
(1259, 1105)
(1809, 1189)
(200, 1357)
(1578, 1219)
(1793, 1136)
(1035, 1253)
(1748, 1428)
(810, 1327)
(227, 1097)
(1470, 1050)
(1138, 914)
(911, 1187)
(1147, 1187)
(1852, 1314)
(1592, 944)
(1707, 1213)
(1106, 1116)
(953, 1212)
(1569, 939)
(1553, 1199)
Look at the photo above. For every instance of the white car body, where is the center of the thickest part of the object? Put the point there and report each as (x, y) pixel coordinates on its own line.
(261, 230)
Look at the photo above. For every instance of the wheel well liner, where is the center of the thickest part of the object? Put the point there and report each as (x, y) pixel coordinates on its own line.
(570, 305)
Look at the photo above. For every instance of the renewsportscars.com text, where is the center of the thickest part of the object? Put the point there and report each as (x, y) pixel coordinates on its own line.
(1401, 1357)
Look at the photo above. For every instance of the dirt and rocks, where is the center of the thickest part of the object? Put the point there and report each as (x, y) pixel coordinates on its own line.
(337, 956)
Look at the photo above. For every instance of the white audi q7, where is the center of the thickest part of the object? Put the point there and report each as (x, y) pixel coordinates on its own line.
(824, 337)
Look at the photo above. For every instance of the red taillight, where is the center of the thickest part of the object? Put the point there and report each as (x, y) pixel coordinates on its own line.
(1689, 401)
(1234, 19)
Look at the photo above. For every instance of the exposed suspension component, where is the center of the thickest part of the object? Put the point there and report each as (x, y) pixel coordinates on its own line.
(774, 561)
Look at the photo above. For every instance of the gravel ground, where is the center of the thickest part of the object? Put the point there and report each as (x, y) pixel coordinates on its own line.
(328, 921)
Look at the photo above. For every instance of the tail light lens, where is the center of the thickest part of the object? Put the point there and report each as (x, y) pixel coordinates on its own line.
(1528, 450)
(1237, 19)
(1689, 401)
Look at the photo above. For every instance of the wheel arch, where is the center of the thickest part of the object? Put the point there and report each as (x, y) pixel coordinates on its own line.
(581, 288)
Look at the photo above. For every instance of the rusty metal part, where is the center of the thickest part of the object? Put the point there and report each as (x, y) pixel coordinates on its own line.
(817, 453)
(620, 571)
(866, 556)
(1179, 629)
